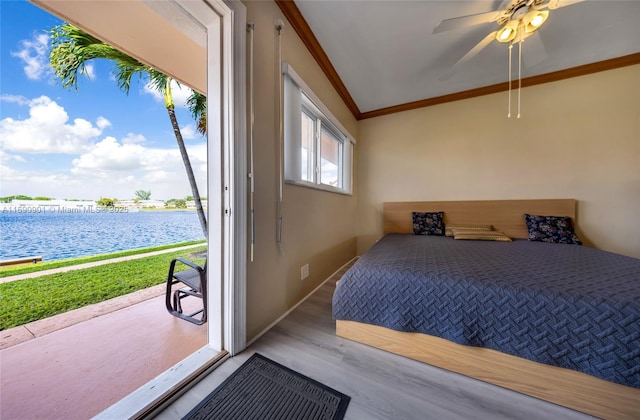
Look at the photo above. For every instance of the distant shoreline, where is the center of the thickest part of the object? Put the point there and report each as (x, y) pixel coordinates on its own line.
(89, 206)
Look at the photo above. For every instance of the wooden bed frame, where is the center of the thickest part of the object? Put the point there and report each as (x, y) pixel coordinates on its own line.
(565, 387)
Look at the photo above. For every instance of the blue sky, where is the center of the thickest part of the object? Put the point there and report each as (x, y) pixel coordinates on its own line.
(86, 144)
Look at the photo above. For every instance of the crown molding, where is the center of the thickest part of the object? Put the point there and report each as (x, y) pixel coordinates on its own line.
(614, 63)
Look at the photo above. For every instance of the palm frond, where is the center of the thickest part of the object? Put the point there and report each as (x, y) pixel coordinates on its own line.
(197, 104)
(72, 48)
(162, 83)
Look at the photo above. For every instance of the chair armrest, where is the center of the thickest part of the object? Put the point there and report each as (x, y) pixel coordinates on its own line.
(186, 262)
(191, 264)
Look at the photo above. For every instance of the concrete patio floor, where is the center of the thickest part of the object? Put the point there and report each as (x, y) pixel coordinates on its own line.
(75, 365)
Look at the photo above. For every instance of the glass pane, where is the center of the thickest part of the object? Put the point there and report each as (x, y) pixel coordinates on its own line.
(330, 159)
(306, 145)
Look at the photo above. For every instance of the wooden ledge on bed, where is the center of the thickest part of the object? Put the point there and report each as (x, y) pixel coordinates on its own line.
(561, 386)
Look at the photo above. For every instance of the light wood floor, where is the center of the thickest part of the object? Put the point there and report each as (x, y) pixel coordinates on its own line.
(381, 385)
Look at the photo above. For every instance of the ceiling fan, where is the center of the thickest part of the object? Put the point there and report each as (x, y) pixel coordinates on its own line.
(517, 21)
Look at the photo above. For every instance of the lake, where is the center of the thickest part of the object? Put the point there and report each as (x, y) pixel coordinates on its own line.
(61, 235)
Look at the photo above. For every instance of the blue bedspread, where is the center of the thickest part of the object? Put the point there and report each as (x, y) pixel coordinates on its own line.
(563, 305)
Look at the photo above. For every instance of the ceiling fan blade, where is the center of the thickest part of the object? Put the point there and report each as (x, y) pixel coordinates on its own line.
(475, 50)
(468, 56)
(556, 4)
(503, 4)
(465, 21)
(533, 51)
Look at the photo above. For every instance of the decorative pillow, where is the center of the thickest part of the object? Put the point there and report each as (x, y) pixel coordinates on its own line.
(480, 235)
(556, 229)
(448, 228)
(428, 223)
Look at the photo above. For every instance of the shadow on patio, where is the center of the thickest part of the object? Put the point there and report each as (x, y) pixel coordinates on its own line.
(74, 365)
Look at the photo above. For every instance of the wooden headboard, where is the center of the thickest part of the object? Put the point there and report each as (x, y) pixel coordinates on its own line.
(504, 215)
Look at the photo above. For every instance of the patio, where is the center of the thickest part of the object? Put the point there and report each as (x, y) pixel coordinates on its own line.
(75, 365)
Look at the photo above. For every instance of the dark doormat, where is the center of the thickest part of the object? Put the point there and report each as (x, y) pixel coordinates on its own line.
(262, 389)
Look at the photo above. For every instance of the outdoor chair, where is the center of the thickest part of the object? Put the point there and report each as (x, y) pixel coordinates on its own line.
(192, 283)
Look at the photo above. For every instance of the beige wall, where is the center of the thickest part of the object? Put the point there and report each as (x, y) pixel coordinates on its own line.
(578, 138)
(319, 227)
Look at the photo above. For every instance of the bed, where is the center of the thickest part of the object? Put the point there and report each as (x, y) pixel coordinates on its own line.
(555, 321)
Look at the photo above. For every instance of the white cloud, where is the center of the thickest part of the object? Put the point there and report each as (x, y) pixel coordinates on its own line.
(102, 123)
(180, 93)
(109, 155)
(118, 169)
(47, 130)
(35, 55)
(132, 138)
(189, 132)
(90, 71)
(6, 157)
(104, 166)
(198, 156)
(35, 182)
(16, 99)
(86, 183)
(8, 174)
(159, 176)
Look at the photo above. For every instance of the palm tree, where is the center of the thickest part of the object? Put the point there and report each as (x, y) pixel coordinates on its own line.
(72, 49)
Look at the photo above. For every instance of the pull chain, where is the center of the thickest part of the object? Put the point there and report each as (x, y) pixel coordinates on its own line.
(519, 73)
(510, 48)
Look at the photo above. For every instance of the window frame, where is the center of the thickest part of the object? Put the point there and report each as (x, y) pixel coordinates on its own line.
(300, 100)
(310, 154)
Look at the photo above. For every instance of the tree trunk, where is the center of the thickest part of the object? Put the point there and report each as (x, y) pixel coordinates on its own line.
(189, 169)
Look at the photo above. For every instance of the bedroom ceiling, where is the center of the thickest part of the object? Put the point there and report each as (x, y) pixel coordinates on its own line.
(386, 54)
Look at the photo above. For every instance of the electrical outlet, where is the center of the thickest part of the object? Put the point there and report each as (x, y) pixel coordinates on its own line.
(304, 272)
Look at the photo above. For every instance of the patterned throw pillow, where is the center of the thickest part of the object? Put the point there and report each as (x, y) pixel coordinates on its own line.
(556, 229)
(430, 223)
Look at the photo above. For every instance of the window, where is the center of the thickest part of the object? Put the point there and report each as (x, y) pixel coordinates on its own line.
(317, 149)
(320, 147)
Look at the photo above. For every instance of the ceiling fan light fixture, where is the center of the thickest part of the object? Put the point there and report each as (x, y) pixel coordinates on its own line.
(534, 19)
(508, 32)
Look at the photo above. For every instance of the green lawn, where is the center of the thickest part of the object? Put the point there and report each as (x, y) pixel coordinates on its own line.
(28, 300)
(13, 270)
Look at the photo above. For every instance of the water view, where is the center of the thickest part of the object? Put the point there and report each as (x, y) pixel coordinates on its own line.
(61, 235)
